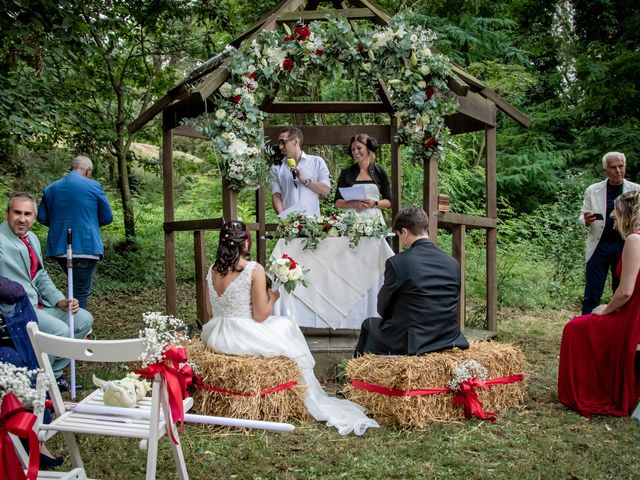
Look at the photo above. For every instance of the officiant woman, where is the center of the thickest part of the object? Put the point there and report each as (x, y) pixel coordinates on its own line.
(364, 171)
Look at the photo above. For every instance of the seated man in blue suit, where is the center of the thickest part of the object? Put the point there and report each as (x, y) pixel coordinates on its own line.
(78, 203)
(418, 301)
(21, 261)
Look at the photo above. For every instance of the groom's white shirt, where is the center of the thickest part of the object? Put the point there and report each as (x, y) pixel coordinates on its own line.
(595, 200)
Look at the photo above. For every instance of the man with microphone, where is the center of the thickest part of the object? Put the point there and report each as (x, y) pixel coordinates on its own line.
(298, 182)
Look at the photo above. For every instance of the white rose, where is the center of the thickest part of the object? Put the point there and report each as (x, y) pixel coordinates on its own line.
(426, 52)
(225, 89)
(283, 278)
(424, 69)
(295, 274)
(220, 114)
(422, 84)
(333, 232)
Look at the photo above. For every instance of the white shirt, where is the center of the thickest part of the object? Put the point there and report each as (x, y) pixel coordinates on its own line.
(300, 199)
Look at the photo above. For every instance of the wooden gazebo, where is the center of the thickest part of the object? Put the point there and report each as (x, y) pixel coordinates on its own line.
(194, 96)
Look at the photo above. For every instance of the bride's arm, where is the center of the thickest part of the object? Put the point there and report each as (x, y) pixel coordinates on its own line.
(207, 303)
(261, 298)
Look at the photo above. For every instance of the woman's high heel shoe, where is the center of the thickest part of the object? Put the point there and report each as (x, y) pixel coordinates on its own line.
(47, 462)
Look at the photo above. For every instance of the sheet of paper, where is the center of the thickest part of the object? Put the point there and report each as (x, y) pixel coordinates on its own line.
(360, 192)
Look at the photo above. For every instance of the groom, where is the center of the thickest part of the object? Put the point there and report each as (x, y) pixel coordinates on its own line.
(419, 299)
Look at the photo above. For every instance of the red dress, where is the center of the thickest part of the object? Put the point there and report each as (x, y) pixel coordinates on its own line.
(597, 372)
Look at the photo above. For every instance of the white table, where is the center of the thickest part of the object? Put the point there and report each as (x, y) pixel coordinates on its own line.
(343, 282)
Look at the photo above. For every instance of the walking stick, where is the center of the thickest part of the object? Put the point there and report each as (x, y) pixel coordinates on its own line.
(72, 363)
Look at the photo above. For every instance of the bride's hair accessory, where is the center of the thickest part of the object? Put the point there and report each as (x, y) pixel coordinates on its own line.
(231, 246)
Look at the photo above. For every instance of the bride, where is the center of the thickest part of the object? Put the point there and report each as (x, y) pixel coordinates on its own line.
(241, 324)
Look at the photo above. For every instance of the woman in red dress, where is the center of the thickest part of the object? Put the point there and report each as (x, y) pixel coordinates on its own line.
(597, 355)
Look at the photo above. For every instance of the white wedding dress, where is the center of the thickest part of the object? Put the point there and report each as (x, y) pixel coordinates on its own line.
(232, 330)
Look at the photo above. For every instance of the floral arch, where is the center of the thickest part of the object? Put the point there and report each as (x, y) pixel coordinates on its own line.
(400, 55)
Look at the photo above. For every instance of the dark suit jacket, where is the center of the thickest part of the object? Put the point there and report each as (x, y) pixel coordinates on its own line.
(419, 300)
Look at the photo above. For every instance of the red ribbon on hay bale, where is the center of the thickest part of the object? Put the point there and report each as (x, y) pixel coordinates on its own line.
(466, 395)
(279, 388)
(14, 419)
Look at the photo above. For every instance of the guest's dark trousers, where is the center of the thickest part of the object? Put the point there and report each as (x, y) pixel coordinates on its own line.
(604, 258)
(84, 270)
(370, 340)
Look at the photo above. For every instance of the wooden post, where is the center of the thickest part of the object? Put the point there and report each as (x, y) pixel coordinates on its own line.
(200, 257)
(430, 195)
(458, 252)
(492, 233)
(261, 241)
(229, 202)
(169, 237)
(396, 176)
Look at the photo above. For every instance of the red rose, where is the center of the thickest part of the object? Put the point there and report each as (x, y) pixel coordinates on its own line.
(429, 92)
(333, 217)
(327, 226)
(299, 228)
(253, 75)
(431, 142)
(319, 52)
(237, 98)
(303, 32)
(288, 38)
(288, 63)
(249, 86)
(360, 48)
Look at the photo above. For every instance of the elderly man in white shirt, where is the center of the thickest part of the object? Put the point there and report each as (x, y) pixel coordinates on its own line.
(604, 243)
(297, 188)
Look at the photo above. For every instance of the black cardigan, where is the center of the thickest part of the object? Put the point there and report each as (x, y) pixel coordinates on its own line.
(348, 179)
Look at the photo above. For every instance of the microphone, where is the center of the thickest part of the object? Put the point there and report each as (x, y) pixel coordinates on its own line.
(292, 166)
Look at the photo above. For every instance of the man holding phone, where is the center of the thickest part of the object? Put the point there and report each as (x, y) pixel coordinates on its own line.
(604, 243)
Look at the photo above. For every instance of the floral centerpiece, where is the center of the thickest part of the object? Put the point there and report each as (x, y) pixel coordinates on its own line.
(160, 333)
(400, 54)
(287, 272)
(314, 229)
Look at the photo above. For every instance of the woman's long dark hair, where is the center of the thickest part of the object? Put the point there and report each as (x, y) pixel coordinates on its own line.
(231, 247)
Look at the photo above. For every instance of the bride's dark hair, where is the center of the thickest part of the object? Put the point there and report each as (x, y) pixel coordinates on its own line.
(233, 234)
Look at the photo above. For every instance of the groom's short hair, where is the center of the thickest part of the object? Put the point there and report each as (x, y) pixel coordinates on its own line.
(414, 219)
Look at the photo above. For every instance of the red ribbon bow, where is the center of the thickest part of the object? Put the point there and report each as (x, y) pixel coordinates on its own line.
(176, 380)
(14, 419)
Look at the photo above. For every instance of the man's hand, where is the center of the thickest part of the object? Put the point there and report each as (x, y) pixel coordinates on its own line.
(589, 218)
(64, 305)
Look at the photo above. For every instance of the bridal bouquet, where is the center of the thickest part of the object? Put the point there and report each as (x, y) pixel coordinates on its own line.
(288, 273)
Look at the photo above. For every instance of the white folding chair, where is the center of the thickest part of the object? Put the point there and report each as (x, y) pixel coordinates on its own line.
(69, 422)
(75, 474)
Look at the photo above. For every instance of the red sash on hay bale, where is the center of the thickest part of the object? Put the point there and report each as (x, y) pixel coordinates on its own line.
(466, 395)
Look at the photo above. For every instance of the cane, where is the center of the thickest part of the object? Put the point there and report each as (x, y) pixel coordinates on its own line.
(72, 363)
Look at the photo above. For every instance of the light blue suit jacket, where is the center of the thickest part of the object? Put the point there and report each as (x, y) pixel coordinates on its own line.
(15, 263)
(78, 203)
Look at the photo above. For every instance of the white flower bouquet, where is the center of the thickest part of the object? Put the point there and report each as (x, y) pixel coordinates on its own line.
(287, 272)
(160, 332)
(19, 380)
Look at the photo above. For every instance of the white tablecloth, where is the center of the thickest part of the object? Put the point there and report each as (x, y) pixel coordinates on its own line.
(343, 282)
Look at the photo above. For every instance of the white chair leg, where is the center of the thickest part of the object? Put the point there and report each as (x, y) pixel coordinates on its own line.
(178, 458)
(74, 451)
(154, 421)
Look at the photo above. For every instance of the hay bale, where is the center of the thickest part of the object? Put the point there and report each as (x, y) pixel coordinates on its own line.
(434, 370)
(247, 374)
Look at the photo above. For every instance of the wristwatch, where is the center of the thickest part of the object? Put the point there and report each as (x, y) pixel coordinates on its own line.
(307, 182)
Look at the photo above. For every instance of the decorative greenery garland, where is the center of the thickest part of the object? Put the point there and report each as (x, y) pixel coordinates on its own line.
(400, 55)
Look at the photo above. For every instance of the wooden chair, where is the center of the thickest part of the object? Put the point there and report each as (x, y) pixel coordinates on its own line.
(70, 423)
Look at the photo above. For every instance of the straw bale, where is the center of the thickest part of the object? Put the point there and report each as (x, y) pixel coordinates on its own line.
(434, 370)
(247, 374)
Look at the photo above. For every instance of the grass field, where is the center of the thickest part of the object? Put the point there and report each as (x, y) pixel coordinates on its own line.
(539, 440)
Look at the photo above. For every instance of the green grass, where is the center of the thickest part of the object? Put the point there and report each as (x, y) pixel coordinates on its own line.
(538, 440)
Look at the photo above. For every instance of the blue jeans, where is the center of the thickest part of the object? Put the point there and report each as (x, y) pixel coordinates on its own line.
(604, 258)
(84, 270)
